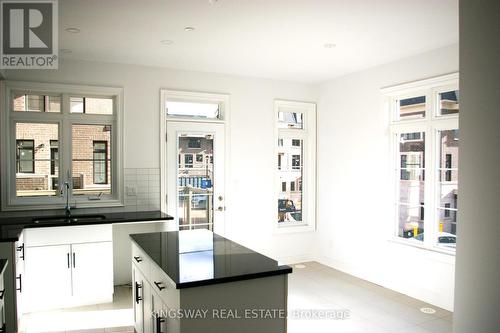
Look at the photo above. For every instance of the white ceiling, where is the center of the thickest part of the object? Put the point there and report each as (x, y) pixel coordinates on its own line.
(279, 39)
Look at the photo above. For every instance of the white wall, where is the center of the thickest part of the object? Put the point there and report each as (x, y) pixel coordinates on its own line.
(477, 301)
(354, 214)
(354, 221)
(250, 186)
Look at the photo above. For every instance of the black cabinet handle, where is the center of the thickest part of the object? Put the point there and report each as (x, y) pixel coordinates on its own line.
(159, 286)
(159, 321)
(20, 278)
(2, 293)
(67, 256)
(74, 260)
(138, 259)
(21, 249)
(137, 297)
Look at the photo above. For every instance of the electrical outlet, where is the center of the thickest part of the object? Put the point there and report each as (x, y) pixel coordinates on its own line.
(131, 191)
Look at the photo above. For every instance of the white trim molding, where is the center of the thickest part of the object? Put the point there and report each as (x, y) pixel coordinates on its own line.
(224, 102)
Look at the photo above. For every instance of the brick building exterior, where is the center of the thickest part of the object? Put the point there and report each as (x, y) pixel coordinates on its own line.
(37, 153)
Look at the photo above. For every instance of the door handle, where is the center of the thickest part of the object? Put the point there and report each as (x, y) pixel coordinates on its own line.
(2, 292)
(221, 208)
(74, 260)
(20, 278)
(138, 259)
(137, 297)
(67, 256)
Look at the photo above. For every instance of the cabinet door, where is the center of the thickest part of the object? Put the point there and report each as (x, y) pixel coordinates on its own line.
(92, 265)
(159, 324)
(46, 283)
(138, 298)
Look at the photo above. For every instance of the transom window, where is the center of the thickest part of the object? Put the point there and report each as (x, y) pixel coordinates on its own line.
(61, 134)
(296, 179)
(425, 141)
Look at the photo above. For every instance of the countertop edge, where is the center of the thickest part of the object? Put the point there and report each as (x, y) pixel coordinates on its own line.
(282, 270)
(111, 220)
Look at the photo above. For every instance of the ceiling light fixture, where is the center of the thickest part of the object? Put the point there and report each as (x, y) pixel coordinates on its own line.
(65, 51)
(188, 29)
(427, 310)
(73, 30)
(329, 45)
(166, 42)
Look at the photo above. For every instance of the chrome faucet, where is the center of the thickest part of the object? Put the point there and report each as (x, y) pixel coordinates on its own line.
(67, 208)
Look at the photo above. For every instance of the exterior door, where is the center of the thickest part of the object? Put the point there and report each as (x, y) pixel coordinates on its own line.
(195, 175)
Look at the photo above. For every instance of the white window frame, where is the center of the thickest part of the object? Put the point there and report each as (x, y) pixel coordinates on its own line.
(65, 119)
(431, 124)
(308, 136)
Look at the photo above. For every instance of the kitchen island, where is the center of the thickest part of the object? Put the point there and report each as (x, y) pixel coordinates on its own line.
(198, 281)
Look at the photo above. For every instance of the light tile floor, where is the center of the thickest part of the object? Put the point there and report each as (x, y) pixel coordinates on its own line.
(370, 309)
(117, 316)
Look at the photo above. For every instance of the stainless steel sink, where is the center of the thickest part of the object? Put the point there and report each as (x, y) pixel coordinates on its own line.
(69, 219)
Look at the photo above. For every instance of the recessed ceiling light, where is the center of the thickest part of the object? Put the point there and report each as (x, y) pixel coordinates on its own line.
(73, 30)
(427, 310)
(65, 51)
(330, 45)
(300, 266)
(166, 42)
(188, 29)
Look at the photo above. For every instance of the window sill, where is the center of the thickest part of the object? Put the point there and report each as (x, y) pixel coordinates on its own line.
(51, 206)
(288, 228)
(433, 249)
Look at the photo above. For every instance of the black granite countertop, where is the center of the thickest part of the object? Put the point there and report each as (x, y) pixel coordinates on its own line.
(3, 264)
(11, 227)
(199, 257)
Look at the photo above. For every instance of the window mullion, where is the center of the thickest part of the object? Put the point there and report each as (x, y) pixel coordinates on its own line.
(430, 176)
(65, 146)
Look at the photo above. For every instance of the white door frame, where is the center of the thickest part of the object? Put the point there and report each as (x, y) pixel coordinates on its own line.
(189, 96)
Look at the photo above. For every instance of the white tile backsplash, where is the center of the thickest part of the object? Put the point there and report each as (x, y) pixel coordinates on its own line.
(142, 189)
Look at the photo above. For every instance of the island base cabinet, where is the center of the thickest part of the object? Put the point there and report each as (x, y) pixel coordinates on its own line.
(248, 306)
(138, 299)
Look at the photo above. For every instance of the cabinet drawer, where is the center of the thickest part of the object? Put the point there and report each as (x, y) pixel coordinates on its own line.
(141, 260)
(164, 287)
(68, 235)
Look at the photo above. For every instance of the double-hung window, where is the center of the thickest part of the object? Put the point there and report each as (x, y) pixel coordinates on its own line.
(296, 165)
(425, 139)
(56, 134)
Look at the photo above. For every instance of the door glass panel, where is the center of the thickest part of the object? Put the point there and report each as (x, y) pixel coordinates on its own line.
(195, 181)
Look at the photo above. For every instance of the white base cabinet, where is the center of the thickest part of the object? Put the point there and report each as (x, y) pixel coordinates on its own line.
(65, 272)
